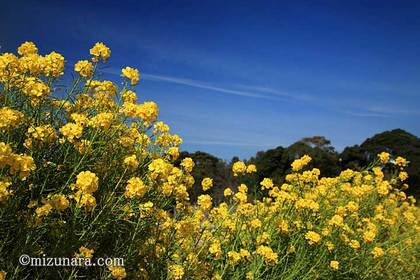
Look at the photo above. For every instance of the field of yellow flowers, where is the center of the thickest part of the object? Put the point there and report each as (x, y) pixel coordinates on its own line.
(88, 171)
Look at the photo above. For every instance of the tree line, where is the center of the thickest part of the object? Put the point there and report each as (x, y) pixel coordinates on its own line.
(275, 163)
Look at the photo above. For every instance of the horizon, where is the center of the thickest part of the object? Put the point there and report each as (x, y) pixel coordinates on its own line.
(288, 145)
(232, 79)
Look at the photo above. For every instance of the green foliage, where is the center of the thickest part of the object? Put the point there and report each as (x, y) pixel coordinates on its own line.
(275, 163)
(397, 142)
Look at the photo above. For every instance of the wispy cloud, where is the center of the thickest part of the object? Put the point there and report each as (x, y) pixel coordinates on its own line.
(380, 111)
(264, 89)
(393, 110)
(227, 143)
(207, 86)
(365, 114)
(258, 92)
(269, 93)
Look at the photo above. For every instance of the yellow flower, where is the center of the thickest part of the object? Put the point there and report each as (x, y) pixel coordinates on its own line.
(251, 168)
(59, 202)
(330, 246)
(215, 249)
(53, 65)
(160, 127)
(176, 271)
(4, 191)
(102, 88)
(22, 164)
(245, 254)
(291, 249)
(354, 244)
(84, 68)
(334, 265)
(303, 203)
(207, 183)
(117, 272)
(31, 64)
(44, 210)
(300, 163)
(243, 188)
(102, 120)
(336, 220)
(400, 161)
(159, 168)
(267, 253)
(131, 162)
(85, 200)
(145, 209)
(370, 233)
(352, 206)
(204, 201)
(238, 168)
(6, 154)
(129, 96)
(27, 49)
(87, 182)
(71, 131)
(173, 152)
(227, 192)
(262, 238)
(409, 217)
(249, 275)
(100, 51)
(148, 111)
(9, 66)
(188, 164)
(255, 223)
(283, 226)
(135, 188)
(241, 197)
(383, 188)
(403, 176)
(383, 157)
(267, 183)
(312, 237)
(35, 89)
(44, 133)
(377, 252)
(233, 257)
(86, 252)
(2, 275)
(9, 118)
(132, 74)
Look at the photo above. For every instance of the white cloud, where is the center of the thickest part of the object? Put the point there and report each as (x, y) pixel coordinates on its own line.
(393, 110)
(257, 93)
(204, 85)
(226, 143)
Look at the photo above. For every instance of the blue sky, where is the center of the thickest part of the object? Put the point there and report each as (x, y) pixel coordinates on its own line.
(236, 77)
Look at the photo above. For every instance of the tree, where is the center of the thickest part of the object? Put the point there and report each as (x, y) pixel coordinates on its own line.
(207, 165)
(323, 157)
(397, 142)
(318, 142)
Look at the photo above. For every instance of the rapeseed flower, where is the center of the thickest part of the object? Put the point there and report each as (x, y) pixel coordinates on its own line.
(207, 183)
(238, 168)
(100, 51)
(334, 265)
(84, 68)
(132, 74)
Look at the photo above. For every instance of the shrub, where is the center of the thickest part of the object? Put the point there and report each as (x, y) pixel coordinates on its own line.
(92, 174)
